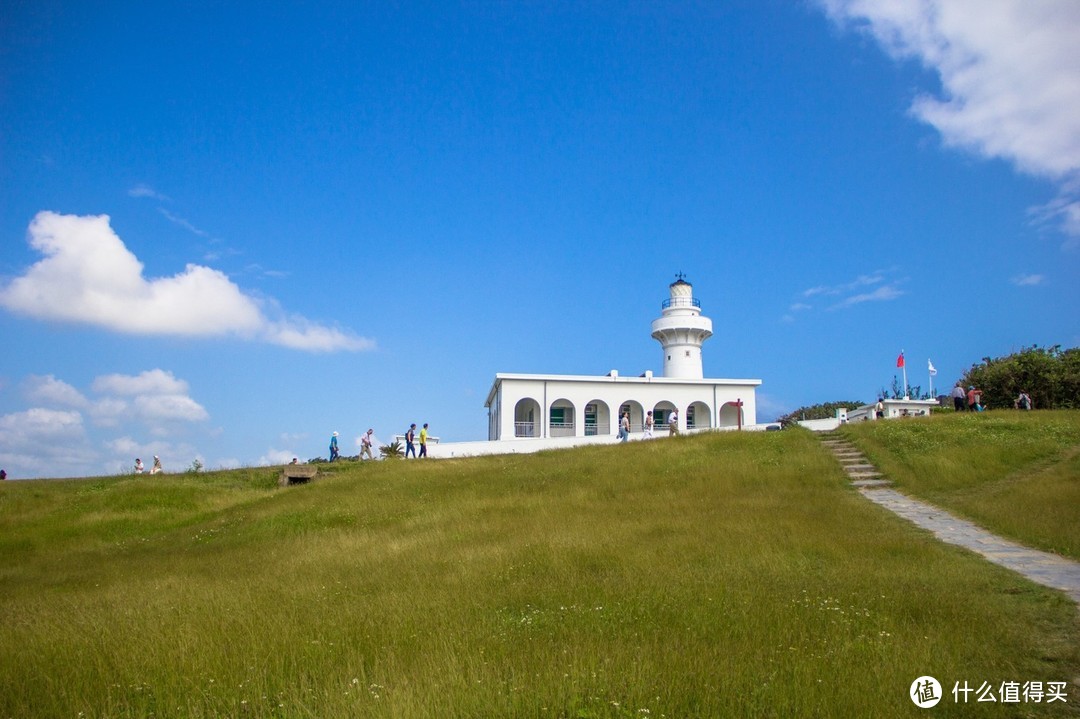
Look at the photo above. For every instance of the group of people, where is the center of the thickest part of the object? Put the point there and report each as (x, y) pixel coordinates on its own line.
(971, 399)
(650, 423)
(367, 441)
(410, 441)
(155, 469)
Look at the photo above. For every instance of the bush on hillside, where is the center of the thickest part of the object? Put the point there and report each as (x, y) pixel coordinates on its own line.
(1050, 375)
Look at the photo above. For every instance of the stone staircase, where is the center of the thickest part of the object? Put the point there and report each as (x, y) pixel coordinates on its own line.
(1044, 568)
(858, 468)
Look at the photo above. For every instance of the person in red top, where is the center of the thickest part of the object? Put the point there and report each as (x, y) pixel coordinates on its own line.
(974, 398)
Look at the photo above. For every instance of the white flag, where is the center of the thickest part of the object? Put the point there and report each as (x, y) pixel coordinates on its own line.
(933, 372)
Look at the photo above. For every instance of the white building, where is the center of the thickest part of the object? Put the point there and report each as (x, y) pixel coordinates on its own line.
(524, 407)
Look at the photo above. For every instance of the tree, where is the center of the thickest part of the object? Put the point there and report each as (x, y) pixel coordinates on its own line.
(394, 450)
(1050, 375)
(825, 410)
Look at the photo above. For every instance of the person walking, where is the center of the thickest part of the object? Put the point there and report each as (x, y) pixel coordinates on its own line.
(624, 427)
(365, 444)
(649, 422)
(958, 397)
(879, 409)
(423, 440)
(673, 423)
(333, 447)
(410, 439)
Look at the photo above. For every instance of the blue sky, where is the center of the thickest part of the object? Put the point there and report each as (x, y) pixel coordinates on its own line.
(225, 234)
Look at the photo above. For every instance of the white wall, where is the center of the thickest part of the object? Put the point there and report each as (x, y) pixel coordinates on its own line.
(447, 450)
(649, 392)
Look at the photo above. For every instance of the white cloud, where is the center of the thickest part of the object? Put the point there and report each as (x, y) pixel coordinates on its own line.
(881, 294)
(180, 221)
(108, 412)
(275, 456)
(1026, 280)
(89, 276)
(1010, 76)
(156, 395)
(134, 416)
(856, 292)
(860, 281)
(50, 391)
(124, 450)
(41, 442)
(170, 407)
(142, 190)
(155, 381)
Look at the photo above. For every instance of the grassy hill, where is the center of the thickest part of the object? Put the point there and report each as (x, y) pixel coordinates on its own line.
(1016, 473)
(732, 574)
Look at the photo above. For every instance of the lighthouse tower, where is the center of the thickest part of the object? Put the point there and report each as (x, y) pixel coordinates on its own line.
(681, 329)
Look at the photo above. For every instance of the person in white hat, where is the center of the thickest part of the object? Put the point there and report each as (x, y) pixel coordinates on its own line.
(333, 447)
(157, 466)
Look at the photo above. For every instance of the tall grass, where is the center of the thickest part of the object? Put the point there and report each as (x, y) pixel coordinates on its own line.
(1016, 473)
(720, 575)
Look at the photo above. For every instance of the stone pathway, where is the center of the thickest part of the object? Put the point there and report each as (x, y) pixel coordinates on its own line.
(1044, 568)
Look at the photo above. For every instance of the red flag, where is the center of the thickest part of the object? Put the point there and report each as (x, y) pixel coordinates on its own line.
(900, 360)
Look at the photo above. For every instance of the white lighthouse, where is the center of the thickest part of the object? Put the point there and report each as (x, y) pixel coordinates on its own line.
(681, 330)
(529, 412)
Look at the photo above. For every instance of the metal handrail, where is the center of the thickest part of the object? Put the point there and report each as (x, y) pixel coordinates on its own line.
(681, 302)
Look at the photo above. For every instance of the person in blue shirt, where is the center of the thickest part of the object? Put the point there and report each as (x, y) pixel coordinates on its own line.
(333, 447)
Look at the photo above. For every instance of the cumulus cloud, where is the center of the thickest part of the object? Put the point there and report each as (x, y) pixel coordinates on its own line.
(43, 442)
(51, 440)
(89, 276)
(48, 390)
(153, 395)
(170, 407)
(155, 381)
(1010, 79)
(275, 456)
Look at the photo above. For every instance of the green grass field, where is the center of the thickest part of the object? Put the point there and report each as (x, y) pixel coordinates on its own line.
(1015, 473)
(733, 574)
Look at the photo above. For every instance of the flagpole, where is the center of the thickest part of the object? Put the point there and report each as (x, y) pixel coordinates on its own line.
(907, 395)
(928, 366)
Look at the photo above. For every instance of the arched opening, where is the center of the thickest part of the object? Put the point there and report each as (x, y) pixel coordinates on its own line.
(698, 416)
(637, 415)
(662, 413)
(527, 418)
(597, 418)
(561, 418)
